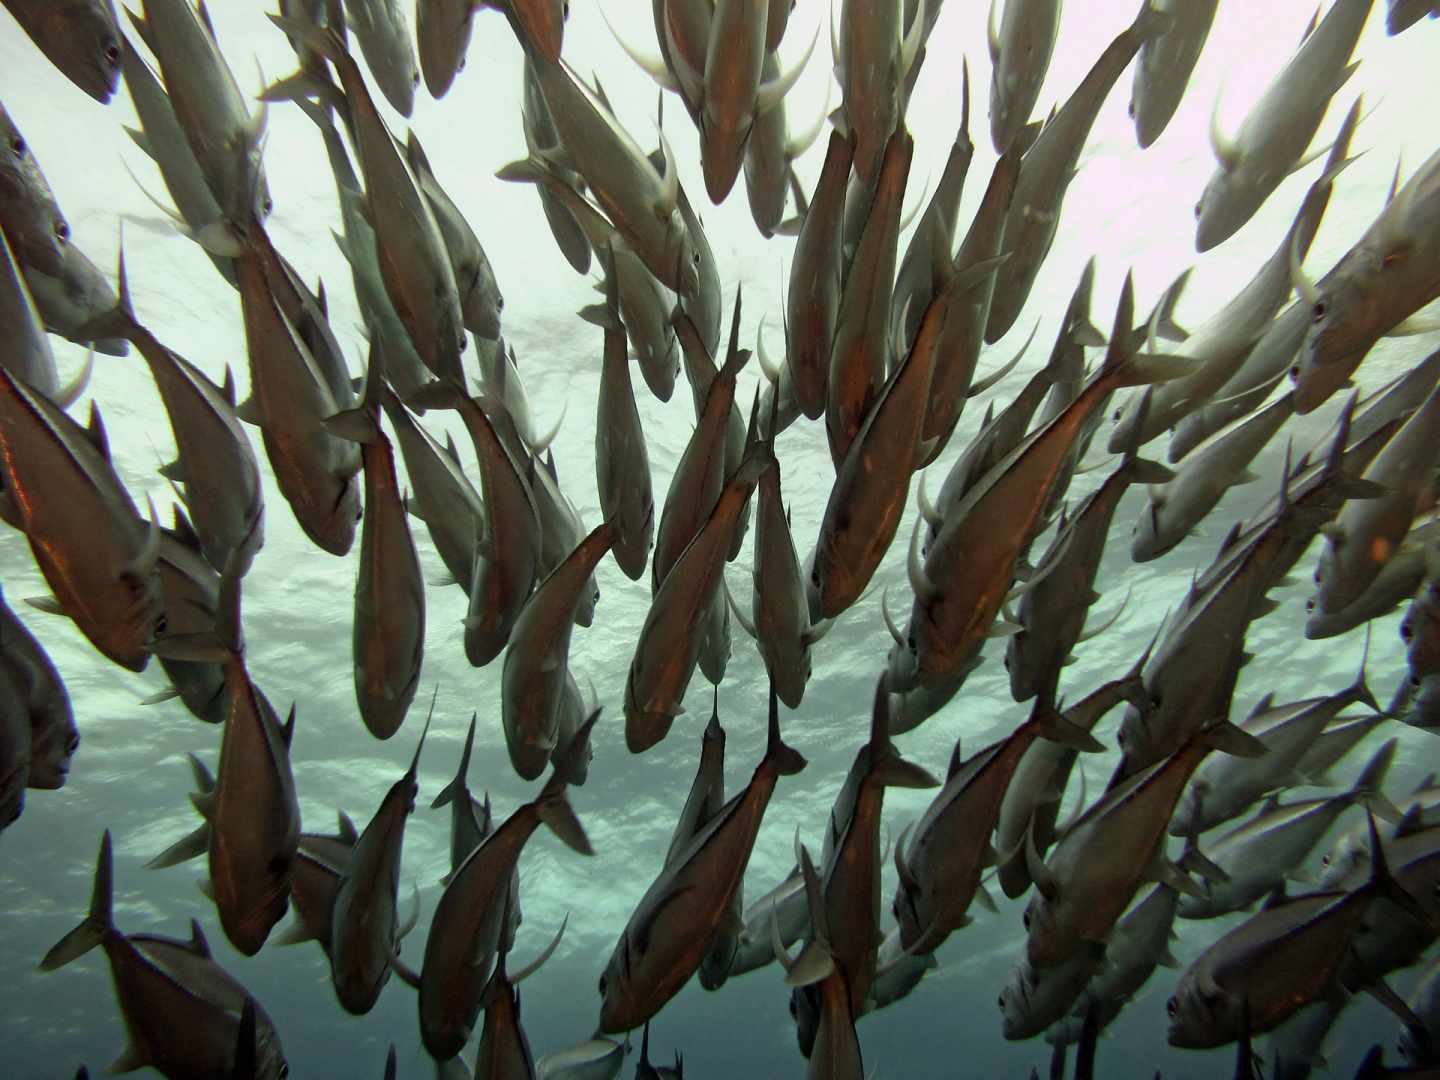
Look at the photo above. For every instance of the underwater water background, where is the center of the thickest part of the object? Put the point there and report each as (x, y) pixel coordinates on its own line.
(1130, 209)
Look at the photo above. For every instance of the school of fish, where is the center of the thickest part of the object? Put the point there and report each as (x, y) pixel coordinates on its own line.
(887, 324)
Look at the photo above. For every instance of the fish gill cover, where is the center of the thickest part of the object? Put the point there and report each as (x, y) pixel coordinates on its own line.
(1133, 212)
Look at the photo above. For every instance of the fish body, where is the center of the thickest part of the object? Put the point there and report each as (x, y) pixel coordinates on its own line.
(51, 737)
(538, 656)
(25, 352)
(364, 933)
(80, 37)
(67, 302)
(622, 463)
(872, 64)
(734, 61)
(190, 588)
(816, 277)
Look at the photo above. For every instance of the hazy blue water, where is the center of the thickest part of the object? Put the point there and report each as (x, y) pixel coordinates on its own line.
(1126, 208)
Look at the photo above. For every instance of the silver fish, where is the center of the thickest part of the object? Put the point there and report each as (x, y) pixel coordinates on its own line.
(1272, 139)
(1020, 48)
(442, 36)
(384, 38)
(873, 64)
(1165, 64)
(66, 303)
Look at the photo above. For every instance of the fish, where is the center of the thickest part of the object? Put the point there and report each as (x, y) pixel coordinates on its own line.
(1165, 64)
(466, 927)
(940, 865)
(874, 56)
(1397, 581)
(1390, 272)
(787, 902)
(1118, 843)
(95, 551)
(504, 1050)
(860, 351)
(379, 26)
(442, 38)
(1420, 630)
(214, 459)
(182, 1010)
(914, 280)
(645, 1071)
(1272, 139)
(289, 401)
(190, 589)
(1035, 998)
(1403, 14)
(835, 1047)
(640, 202)
(770, 154)
(622, 462)
(664, 941)
(1021, 43)
(26, 352)
(1254, 962)
(225, 138)
(481, 303)
(80, 37)
(365, 928)
(1178, 505)
(1031, 801)
(1258, 855)
(540, 134)
(957, 597)
(735, 98)
(537, 656)
(668, 645)
(66, 303)
(14, 749)
(1223, 788)
(414, 260)
(30, 216)
(1367, 533)
(1050, 162)
(388, 630)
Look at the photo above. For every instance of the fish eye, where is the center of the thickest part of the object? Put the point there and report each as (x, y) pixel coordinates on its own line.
(1171, 1008)
(1118, 413)
(1320, 310)
(359, 512)
(1197, 211)
(695, 257)
(1415, 681)
(161, 625)
(17, 144)
(499, 303)
(1325, 860)
(62, 231)
(73, 743)
(1310, 606)
(602, 985)
(415, 79)
(1001, 1002)
(1406, 631)
(112, 53)
(815, 578)
(1027, 918)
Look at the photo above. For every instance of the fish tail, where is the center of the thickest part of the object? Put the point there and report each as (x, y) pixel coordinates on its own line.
(456, 788)
(552, 805)
(1368, 784)
(784, 759)
(1383, 882)
(97, 924)
(1151, 22)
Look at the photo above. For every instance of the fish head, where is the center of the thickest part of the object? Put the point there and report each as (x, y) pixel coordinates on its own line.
(14, 752)
(1200, 1016)
(128, 633)
(398, 74)
(249, 908)
(54, 740)
(1346, 859)
(589, 597)
(336, 532)
(722, 142)
(358, 983)
(442, 35)
(481, 304)
(684, 255)
(1137, 743)
(805, 1007)
(1229, 200)
(1426, 709)
(1016, 1015)
(82, 38)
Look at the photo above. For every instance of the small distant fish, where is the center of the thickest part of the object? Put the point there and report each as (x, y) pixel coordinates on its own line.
(379, 26)
(80, 37)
